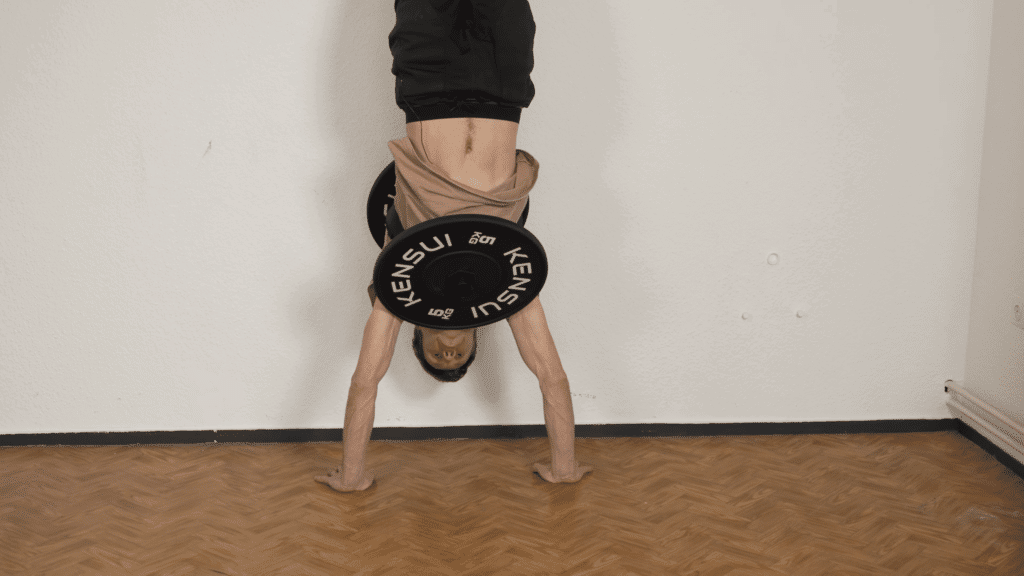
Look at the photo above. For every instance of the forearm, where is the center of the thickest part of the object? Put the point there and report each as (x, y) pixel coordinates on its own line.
(359, 414)
(560, 423)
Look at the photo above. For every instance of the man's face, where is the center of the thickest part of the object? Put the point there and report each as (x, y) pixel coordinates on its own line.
(447, 349)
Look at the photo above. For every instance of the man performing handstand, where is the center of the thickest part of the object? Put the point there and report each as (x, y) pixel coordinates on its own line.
(462, 71)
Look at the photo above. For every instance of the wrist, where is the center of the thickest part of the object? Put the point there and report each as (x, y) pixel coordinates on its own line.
(351, 470)
(563, 466)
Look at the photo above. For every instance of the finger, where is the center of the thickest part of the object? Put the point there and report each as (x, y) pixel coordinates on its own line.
(542, 472)
(321, 479)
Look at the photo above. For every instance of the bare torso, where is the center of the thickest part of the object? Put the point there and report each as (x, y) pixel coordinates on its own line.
(480, 152)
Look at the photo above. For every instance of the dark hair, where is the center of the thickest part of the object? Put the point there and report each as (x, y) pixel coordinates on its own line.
(440, 375)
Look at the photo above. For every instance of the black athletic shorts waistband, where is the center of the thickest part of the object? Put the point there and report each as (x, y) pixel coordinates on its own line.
(463, 109)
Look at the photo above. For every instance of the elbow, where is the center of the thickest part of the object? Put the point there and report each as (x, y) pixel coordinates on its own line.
(368, 379)
(363, 386)
(554, 380)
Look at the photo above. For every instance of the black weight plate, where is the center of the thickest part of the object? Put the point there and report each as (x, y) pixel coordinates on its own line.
(439, 274)
(382, 197)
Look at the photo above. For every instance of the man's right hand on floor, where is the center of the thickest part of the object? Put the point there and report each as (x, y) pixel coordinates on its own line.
(336, 480)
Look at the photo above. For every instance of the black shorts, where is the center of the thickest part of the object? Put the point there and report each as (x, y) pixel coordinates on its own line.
(462, 58)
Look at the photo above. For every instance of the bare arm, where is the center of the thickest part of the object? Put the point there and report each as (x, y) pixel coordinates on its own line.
(537, 347)
(375, 353)
(378, 347)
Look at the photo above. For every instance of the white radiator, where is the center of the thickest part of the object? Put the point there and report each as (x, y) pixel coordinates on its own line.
(986, 420)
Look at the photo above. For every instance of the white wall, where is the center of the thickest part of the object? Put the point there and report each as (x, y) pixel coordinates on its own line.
(183, 242)
(995, 352)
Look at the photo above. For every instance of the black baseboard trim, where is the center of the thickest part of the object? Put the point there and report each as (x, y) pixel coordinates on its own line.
(476, 433)
(513, 432)
(995, 451)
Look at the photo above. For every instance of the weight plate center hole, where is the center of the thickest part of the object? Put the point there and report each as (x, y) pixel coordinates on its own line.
(463, 277)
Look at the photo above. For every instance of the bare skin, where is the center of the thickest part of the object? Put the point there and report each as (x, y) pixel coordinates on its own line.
(335, 479)
(543, 468)
(447, 349)
(479, 152)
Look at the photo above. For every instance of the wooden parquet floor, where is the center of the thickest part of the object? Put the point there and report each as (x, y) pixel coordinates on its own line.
(918, 503)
